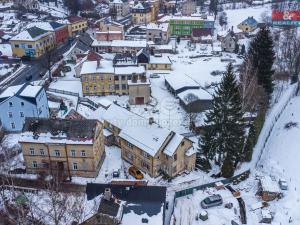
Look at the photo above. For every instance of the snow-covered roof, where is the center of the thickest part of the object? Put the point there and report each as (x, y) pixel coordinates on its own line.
(109, 32)
(269, 185)
(104, 102)
(22, 90)
(128, 70)
(185, 18)
(153, 26)
(121, 43)
(198, 93)
(177, 82)
(5, 49)
(173, 144)
(91, 67)
(49, 26)
(160, 60)
(31, 34)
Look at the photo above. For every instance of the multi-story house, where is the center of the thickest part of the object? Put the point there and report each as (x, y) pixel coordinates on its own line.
(60, 30)
(184, 25)
(248, 25)
(63, 147)
(141, 13)
(107, 24)
(28, 4)
(109, 35)
(77, 25)
(118, 46)
(119, 8)
(147, 145)
(101, 77)
(19, 102)
(32, 42)
(158, 33)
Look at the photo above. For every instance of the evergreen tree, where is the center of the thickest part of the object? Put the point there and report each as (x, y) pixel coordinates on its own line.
(224, 128)
(262, 57)
(251, 140)
(213, 7)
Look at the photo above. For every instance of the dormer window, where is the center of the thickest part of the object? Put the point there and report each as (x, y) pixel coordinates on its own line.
(10, 104)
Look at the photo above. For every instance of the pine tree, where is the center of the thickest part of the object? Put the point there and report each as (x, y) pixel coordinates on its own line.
(248, 149)
(224, 128)
(262, 57)
(213, 7)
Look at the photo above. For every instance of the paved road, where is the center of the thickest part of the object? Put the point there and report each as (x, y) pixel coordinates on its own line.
(36, 67)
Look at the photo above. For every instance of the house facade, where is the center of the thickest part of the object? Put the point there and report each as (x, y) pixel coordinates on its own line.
(32, 42)
(158, 33)
(161, 152)
(77, 25)
(119, 7)
(63, 147)
(109, 35)
(119, 46)
(139, 90)
(229, 42)
(248, 25)
(107, 24)
(141, 13)
(19, 102)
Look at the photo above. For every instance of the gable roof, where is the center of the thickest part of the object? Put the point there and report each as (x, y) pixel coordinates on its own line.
(48, 26)
(75, 19)
(30, 34)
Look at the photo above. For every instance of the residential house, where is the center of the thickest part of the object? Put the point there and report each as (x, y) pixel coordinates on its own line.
(229, 42)
(32, 42)
(100, 77)
(184, 25)
(158, 33)
(27, 4)
(141, 13)
(248, 25)
(109, 35)
(60, 30)
(139, 90)
(268, 189)
(117, 201)
(19, 102)
(63, 147)
(188, 7)
(107, 24)
(202, 35)
(77, 25)
(161, 150)
(195, 100)
(91, 56)
(119, 8)
(159, 62)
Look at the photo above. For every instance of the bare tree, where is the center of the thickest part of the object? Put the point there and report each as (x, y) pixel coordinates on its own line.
(191, 116)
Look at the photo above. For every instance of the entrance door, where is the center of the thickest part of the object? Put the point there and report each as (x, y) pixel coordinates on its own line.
(139, 100)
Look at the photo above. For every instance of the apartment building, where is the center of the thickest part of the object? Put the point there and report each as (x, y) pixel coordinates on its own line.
(158, 33)
(101, 77)
(148, 146)
(32, 42)
(119, 8)
(142, 13)
(77, 25)
(63, 147)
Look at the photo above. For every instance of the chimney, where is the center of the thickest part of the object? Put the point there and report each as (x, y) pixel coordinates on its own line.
(151, 120)
(107, 194)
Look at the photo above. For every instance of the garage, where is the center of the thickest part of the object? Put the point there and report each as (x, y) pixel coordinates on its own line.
(139, 100)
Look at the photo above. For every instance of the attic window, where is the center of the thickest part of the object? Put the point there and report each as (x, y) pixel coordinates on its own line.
(144, 220)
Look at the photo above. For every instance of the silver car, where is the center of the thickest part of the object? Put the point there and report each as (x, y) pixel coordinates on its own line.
(211, 201)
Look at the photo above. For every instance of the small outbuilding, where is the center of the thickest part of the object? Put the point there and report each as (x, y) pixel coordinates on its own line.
(268, 189)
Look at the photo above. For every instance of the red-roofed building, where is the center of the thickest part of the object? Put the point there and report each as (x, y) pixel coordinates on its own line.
(202, 35)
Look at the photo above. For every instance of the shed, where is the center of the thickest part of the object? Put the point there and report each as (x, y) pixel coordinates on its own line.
(266, 216)
(268, 189)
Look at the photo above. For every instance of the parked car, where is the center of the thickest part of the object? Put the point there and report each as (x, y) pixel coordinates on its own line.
(154, 75)
(28, 77)
(133, 171)
(116, 173)
(211, 201)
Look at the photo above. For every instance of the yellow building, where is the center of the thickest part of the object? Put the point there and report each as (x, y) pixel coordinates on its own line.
(160, 151)
(63, 147)
(142, 13)
(32, 42)
(159, 62)
(102, 78)
(248, 25)
(77, 25)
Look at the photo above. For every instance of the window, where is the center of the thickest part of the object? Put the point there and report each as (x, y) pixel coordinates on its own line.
(13, 126)
(129, 145)
(10, 104)
(145, 154)
(87, 88)
(31, 151)
(57, 153)
(175, 157)
(182, 143)
(10, 115)
(22, 103)
(145, 165)
(129, 156)
(117, 87)
(94, 78)
(116, 77)
(124, 86)
(123, 77)
(34, 164)
(73, 153)
(29, 46)
(75, 166)
(21, 114)
(129, 77)
(83, 153)
(17, 46)
(95, 88)
(42, 152)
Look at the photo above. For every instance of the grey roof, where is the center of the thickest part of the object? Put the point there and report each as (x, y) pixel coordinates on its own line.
(35, 31)
(86, 39)
(72, 128)
(110, 207)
